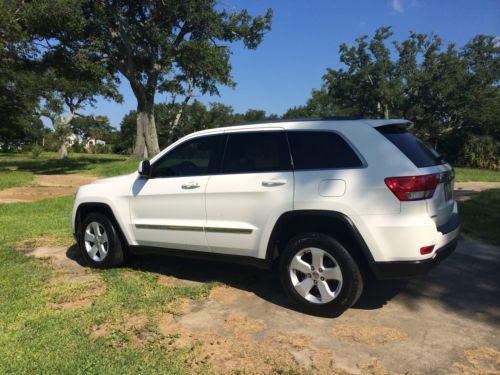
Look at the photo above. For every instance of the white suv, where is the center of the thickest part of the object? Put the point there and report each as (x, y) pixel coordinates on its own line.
(329, 201)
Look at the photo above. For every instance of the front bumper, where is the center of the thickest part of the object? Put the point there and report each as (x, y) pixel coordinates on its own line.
(405, 269)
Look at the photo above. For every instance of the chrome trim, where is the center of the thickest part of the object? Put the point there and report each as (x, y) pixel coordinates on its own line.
(228, 230)
(195, 229)
(169, 227)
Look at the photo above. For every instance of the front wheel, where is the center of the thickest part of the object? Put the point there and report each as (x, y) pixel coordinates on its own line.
(99, 242)
(319, 275)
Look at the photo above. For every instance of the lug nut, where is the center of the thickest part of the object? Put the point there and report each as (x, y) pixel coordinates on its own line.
(322, 279)
(308, 275)
(315, 282)
(320, 269)
(312, 268)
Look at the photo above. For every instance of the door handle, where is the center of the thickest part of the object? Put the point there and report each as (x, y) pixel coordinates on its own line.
(271, 183)
(190, 185)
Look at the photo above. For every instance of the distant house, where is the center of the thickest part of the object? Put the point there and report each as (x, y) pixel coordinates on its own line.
(87, 144)
(93, 142)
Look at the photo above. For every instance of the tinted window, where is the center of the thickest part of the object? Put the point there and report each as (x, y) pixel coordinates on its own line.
(321, 150)
(417, 151)
(256, 152)
(192, 158)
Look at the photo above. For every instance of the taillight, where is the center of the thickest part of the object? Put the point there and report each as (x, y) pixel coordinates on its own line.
(413, 188)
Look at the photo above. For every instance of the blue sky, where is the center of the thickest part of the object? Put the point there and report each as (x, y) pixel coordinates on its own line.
(304, 42)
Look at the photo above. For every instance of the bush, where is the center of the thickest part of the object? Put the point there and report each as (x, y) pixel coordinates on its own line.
(36, 150)
(77, 147)
(481, 152)
(99, 149)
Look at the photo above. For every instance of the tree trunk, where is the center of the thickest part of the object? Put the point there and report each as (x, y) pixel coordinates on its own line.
(386, 111)
(63, 151)
(146, 142)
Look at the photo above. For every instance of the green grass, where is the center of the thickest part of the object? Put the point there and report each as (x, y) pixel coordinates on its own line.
(47, 163)
(470, 174)
(35, 337)
(480, 216)
(10, 179)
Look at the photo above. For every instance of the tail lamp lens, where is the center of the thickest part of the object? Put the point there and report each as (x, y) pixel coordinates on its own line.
(413, 188)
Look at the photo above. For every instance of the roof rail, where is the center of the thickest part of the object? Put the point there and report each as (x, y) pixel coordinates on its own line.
(332, 118)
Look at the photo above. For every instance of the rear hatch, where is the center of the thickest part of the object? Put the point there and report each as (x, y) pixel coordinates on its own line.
(428, 161)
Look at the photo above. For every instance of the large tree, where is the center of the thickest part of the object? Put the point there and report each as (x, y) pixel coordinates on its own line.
(157, 45)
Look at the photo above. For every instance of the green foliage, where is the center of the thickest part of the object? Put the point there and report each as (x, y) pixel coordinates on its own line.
(36, 151)
(481, 152)
(480, 216)
(77, 147)
(451, 95)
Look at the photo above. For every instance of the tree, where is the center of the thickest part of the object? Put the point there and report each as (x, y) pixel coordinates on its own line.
(91, 127)
(157, 45)
(367, 86)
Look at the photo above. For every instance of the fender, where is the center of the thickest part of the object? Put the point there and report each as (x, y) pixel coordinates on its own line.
(279, 226)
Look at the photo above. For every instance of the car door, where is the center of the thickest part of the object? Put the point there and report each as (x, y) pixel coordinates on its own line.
(253, 188)
(168, 209)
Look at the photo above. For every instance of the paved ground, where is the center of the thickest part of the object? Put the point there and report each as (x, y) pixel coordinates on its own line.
(466, 190)
(445, 322)
(46, 186)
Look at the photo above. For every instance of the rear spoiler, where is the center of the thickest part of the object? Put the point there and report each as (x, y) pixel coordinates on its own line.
(394, 122)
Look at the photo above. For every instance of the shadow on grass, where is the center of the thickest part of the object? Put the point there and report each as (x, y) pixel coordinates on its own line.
(467, 283)
(54, 166)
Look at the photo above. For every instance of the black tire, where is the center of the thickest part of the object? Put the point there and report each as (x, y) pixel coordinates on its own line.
(115, 254)
(350, 288)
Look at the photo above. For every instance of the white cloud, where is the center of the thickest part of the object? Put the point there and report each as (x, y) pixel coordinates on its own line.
(397, 5)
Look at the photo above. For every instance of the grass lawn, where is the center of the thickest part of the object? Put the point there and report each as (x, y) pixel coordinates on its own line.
(36, 336)
(10, 179)
(480, 216)
(471, 174)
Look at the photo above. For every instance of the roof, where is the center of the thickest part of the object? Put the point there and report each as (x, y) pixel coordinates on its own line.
(375, 122)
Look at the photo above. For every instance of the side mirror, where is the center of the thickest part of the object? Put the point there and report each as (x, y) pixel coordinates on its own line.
(144, 168)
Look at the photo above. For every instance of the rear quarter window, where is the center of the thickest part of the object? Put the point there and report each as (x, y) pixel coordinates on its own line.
(321, 150)
(421, 154)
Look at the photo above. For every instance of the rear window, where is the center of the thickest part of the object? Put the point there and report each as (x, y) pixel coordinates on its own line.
(417, 151)
(321, 150)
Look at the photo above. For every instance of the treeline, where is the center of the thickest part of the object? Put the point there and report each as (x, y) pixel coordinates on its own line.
(450, 94)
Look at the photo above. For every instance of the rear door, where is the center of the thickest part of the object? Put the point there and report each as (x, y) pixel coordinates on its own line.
(254, 187)
(440, 207)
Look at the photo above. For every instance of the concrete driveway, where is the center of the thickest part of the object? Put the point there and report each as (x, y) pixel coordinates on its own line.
(445, 322)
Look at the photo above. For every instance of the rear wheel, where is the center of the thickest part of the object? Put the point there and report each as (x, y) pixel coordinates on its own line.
(319, 275)
(98, 240)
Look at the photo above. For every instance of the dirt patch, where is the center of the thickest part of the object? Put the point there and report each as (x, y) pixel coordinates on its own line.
(367, 334)
(170, 281)
(227, 295)
(484, 360)
(72, 286)
(46, 186)
(239, 324)
(133, 329)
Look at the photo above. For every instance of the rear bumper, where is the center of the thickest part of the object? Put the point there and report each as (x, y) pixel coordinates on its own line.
(404, 269)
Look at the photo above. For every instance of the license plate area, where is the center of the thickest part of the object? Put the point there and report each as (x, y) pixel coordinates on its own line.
(448, 193)
(447, 179)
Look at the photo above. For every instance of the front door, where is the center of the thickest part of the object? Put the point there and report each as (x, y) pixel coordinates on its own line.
(168, 209)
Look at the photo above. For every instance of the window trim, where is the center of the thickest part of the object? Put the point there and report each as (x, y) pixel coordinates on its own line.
(364, 163)
(218, 162)
(249, 131)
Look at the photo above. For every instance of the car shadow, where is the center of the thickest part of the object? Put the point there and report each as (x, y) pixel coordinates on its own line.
(467, 283)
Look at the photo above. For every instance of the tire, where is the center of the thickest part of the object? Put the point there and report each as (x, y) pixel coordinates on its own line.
(107, 250)
(327, 291)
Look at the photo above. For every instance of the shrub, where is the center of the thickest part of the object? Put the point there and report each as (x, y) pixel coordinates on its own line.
(481, 152)
(77, 147)
(36, 150)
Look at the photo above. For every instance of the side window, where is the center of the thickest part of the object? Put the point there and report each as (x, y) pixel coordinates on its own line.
(321, 150)
(264, 151)
(196, 157)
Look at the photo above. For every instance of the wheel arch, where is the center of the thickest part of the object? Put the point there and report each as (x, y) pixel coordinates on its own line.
(87, 208)
(333, 223)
